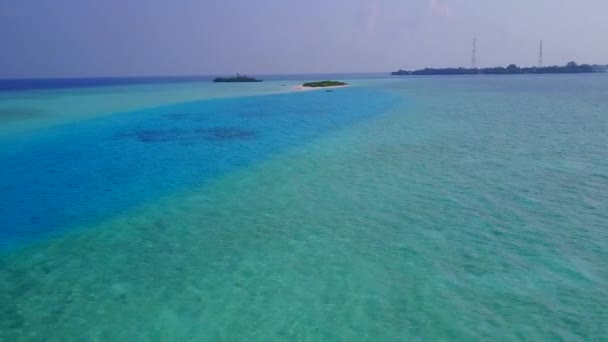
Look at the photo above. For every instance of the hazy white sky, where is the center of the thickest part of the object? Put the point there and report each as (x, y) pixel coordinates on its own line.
(61, 38)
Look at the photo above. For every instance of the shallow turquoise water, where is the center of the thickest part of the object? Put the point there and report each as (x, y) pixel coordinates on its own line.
(420, 208)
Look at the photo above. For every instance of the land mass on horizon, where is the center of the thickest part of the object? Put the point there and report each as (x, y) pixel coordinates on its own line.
(237, 78)
(570, 68)
(324, 84)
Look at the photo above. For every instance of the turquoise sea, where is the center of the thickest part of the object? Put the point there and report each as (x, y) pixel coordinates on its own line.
(396, 209)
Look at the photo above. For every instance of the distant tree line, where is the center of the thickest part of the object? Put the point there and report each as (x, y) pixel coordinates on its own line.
(324, 84)
(570, 68)
(238, 78)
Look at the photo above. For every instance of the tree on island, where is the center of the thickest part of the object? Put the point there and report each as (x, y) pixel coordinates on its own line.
(512, 69)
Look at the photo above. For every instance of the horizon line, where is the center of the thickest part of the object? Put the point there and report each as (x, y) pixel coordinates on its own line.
(188, 75)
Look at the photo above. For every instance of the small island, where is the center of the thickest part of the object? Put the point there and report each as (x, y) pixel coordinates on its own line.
(324, 84)
(237, 78)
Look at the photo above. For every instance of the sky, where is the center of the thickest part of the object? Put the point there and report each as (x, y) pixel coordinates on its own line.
(84, 38)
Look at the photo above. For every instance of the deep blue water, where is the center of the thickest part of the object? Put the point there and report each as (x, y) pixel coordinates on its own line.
(55, 83)
(86, 171)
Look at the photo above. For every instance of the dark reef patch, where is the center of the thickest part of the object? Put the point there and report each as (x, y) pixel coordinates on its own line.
(188, 136)
(226, 133)
(160, 135)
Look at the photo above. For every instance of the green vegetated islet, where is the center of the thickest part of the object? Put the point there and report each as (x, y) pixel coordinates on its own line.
(324, 84)
(237, 78)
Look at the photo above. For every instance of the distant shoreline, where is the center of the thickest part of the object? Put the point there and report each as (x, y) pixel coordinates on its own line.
(570, 68)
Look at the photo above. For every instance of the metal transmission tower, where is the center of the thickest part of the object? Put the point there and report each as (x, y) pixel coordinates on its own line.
(540, 55)
(474, 54)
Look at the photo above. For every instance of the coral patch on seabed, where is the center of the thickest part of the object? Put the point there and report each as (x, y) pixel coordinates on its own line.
(226, 133)
(160, 135)
(181, 135)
